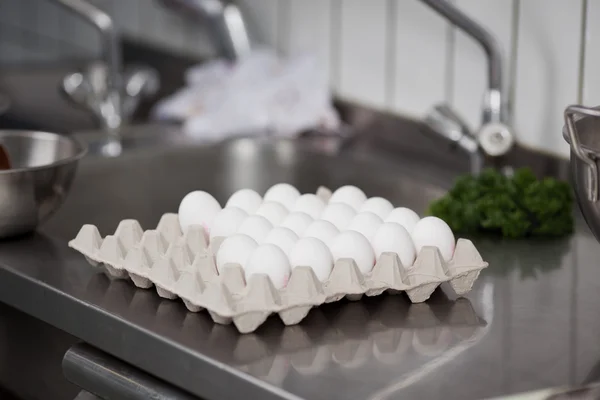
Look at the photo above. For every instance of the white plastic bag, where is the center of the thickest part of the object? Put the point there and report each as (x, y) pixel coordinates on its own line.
(261, 93)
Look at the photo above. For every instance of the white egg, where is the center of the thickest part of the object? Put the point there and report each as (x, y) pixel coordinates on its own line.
(246, 199)
(270, 260)
(283, 193)
(394, 238)
(297, 222)
(236, 249)
(366, 223)
(284, 238)
(339, 214)
(379, 206)
(227, 222)
(432, 231)
(405, 217)
(312, 252)
(198, 208)
(322, 230)
(350, 195)
(351, 244)
(310, 204)
(273, 211)
(255, 226)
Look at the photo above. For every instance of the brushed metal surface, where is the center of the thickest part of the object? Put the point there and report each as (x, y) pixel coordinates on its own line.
(530, 322)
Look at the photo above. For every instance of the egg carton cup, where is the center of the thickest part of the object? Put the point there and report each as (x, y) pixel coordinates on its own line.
(183, 265)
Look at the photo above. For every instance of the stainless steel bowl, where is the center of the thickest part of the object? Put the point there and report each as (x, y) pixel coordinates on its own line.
(43, 167)
(582, 132)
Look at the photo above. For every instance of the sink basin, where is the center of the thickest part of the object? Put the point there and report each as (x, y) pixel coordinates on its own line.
(145, 183)
(36, 102)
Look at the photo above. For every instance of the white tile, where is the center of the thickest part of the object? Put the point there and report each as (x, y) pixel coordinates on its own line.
(363, 51)
(11, 11)
(262, 17)
(10, 52)
(420, 58)
(310, 30)
(150, 24)
(470, 65)
(47, 28)
(591, 80)
(79, 39)
(547, 71)
(126, 15)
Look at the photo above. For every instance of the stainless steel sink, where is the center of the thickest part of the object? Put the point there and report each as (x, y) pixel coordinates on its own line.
(146, 182)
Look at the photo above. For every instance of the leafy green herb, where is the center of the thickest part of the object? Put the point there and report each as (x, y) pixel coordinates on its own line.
(515, 207)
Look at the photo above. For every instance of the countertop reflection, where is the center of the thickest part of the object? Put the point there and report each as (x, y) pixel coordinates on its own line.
(530, 322)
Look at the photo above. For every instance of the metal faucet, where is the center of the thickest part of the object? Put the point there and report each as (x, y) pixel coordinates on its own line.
(103, 87)
(225, 22)
(494, 137)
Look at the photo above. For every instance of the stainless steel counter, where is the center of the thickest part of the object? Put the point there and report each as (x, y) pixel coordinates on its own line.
(531, 320)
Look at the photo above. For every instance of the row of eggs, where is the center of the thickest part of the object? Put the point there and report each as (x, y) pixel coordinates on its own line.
(284, 229)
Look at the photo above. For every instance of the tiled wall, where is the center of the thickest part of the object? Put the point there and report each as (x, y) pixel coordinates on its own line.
(401, 56)
(42, 30)
(392, 54)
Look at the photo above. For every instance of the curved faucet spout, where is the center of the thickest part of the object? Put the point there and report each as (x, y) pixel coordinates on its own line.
(494, 135)
(110, 37)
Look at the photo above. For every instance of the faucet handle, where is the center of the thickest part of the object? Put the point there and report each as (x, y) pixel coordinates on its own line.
(89, 90)
(495, 138)
(446, 122)
(443, 120)
(77, 89)
(138, 82)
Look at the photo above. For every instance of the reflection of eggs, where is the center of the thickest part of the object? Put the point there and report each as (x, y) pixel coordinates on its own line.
(339, 214)
(394, 238)
(198, 208)
(354, 245)
(322, 230)
(389, 346)
(351, 353)
(350, 195)
(236, 249)
(270, 260)
(283, 193)
(311, 361)
(366, 223)
(297, 222)
(255, 226)
(313, 253)
(227, 222)
(246, 199)
(379, 206)
(283, 238)
(432, 341)
(432, 231)
(310, 204)
(273, 211)
(405, 217)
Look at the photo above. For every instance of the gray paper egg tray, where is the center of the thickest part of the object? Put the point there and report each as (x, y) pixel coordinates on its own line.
(183, 265)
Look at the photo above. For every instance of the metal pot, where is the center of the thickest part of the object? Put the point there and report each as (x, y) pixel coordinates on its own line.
(582, 132)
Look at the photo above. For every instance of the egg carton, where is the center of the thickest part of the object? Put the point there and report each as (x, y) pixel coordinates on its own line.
(183, 265)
